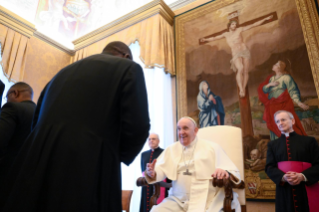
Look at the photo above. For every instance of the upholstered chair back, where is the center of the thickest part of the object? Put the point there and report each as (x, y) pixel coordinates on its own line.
(230, 139)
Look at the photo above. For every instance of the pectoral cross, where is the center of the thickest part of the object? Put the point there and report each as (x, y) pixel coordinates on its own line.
(187, 172)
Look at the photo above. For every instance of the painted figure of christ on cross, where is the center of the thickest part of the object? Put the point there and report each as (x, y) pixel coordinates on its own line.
(240, 52)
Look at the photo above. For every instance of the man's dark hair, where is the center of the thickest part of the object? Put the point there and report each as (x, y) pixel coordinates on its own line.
(118, 47)
(22, 86)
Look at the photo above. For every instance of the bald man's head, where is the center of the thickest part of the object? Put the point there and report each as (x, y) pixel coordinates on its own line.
(19, 92)
(153, 140)
(119, 49)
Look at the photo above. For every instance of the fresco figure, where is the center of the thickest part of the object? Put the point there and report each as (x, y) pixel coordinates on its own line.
(54, 15)
(95, 18)
(240, 52)
(211, 108)
(280, 92)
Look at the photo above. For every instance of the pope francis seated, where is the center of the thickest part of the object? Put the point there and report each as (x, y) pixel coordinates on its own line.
(191, 164)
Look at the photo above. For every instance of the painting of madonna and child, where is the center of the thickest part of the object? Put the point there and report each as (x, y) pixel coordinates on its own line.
(244, 62)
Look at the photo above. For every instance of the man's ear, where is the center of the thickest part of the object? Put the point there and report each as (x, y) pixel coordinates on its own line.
(128, 56)
(196, 129)
(293, 121)
(17, 93)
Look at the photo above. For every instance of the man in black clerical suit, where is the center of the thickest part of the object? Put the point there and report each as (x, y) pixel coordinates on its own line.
(90, 117)
(15, 124)
(292, 151)
(148, 157)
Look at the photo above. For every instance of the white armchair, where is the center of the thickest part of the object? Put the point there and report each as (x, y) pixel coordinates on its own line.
(230, 139)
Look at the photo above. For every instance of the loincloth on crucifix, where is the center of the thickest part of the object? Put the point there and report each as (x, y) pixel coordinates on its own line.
(241, 54)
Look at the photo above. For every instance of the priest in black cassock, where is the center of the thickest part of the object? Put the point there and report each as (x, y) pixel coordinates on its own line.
(90, 117)
(293, 165)
(15, 124)
(148, 157)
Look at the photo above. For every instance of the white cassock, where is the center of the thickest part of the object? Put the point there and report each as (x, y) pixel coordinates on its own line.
(193, 193)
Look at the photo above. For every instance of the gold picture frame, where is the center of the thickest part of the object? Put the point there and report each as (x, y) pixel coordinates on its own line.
(310, 26)
(309, 20)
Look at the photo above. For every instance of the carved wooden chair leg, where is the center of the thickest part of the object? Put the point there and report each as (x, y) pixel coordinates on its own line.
(156, 194)
(228, 196)
(228, 184)
(156, 190)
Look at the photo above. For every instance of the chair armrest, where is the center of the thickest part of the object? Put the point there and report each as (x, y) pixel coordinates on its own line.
(229, 184)
(165, 184)
(141, 181)
(232, 180)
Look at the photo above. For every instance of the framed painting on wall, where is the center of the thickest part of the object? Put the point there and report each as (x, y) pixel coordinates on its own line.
(239, 61)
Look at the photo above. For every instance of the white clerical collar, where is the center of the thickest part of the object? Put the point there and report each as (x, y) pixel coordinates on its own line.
(287, 134)
(155, 149)
(192, 143)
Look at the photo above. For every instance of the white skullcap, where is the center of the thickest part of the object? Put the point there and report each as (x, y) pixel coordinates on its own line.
(187, 117)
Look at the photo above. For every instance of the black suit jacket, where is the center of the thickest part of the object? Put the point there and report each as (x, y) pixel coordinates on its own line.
(15, 126)
(90, 117)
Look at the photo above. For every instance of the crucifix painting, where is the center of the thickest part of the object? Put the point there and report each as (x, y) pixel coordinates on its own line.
(240, 53)
(241, 57)
(243, 60)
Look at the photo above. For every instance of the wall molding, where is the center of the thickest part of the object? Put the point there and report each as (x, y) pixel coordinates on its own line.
(53, 43)
(16, 23)
(179, 4)
(153, 8)
(26, 28)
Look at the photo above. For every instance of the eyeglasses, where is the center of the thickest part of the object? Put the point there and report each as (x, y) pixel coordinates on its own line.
(6, 97)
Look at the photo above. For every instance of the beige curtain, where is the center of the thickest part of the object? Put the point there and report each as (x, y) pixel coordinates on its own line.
(155, 36)
(13, 49)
